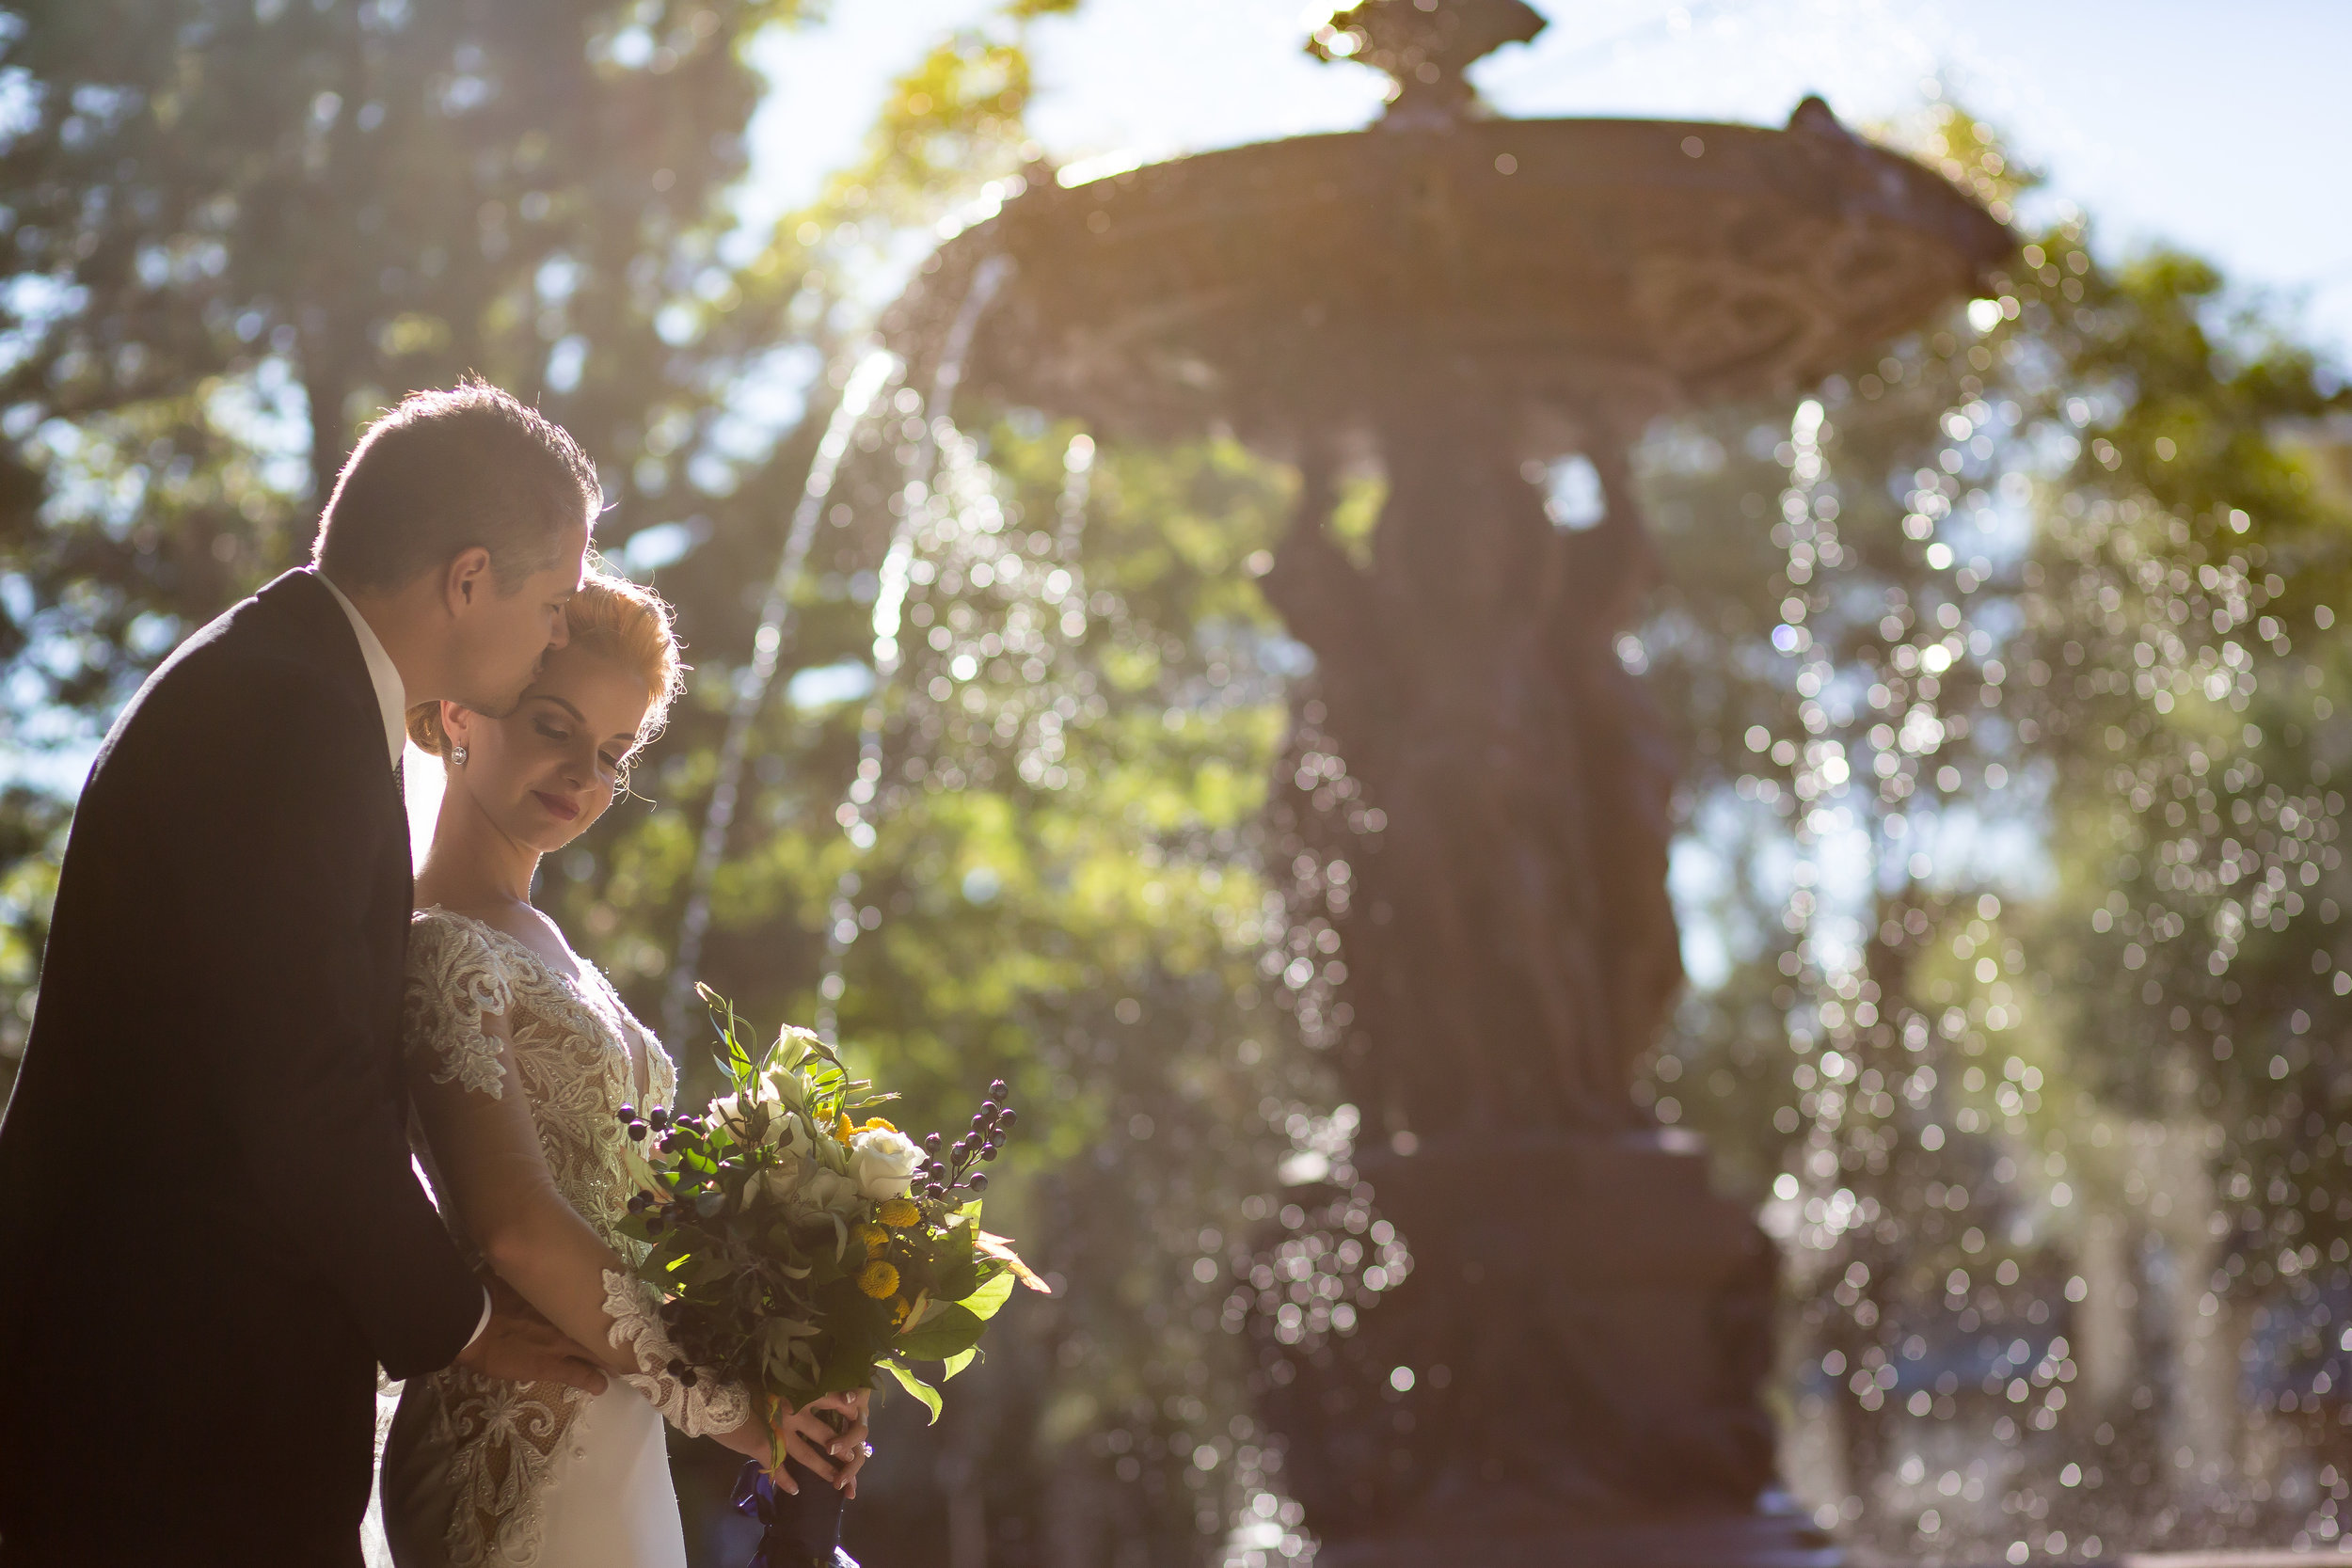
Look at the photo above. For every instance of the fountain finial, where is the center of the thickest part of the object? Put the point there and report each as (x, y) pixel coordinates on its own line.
(1425, 46)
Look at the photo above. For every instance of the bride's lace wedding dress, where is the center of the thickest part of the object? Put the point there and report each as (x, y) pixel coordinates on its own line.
(480, 1471)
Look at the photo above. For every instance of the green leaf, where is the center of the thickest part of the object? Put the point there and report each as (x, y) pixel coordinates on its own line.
(983, 1303)
(950, 1331)
(844, 1368)
(957, 1362)
(734, 1060)
(824, 1267)
(780, 1338)
(955, 1278)
(915, 1385)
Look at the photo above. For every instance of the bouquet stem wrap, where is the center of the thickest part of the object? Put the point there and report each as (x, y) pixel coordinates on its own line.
(802, 1531)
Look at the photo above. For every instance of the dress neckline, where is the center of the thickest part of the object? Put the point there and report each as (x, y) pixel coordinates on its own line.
(640, 1061)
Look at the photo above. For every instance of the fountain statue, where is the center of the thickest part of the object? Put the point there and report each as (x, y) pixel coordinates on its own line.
(1573, 1370)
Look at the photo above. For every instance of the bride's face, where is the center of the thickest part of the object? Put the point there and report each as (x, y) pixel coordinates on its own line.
(547, 770)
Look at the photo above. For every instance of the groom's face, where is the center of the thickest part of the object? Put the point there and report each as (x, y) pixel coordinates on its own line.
(505, 636)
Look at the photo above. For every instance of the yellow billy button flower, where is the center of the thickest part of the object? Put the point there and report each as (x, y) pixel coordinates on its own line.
(878, 1279)
(900, 1214)
(873, 1237)
(898, 1310)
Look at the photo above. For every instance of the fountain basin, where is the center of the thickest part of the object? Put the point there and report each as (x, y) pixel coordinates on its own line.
(1303, 287)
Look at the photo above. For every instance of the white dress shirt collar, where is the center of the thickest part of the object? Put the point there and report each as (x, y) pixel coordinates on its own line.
(391, 695)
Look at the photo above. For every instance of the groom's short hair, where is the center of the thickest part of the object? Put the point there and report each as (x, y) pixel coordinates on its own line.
(446, 470)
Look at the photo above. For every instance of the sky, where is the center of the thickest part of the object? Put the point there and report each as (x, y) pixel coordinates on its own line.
(2212, 127)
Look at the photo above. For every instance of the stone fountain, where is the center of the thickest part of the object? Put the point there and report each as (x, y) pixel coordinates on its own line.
(1462, 299)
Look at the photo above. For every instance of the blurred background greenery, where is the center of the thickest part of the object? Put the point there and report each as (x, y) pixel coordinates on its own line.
(2057, 1044)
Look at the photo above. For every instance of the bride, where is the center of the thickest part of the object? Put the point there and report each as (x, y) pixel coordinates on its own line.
(520, 1055)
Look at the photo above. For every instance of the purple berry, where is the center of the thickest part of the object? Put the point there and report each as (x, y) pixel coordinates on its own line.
(978, 1181)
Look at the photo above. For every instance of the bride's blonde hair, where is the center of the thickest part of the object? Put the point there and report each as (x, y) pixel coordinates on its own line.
(612, 617)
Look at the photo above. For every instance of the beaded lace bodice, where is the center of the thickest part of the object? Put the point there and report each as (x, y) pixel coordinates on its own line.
(566, 1048)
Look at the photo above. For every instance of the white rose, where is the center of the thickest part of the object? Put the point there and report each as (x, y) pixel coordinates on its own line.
(882, 1162)
(773, 1183)
(830, 1191)
(788, 1137)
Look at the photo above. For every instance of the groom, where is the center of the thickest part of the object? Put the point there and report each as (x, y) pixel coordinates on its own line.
(210, 1230)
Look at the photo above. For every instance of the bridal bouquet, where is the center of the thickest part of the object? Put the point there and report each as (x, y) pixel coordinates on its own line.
(803, 1251)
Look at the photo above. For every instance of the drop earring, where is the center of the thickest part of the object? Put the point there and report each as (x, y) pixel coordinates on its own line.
(457, 756)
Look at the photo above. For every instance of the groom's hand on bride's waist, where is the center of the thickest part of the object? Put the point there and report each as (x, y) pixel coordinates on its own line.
(520, 1346)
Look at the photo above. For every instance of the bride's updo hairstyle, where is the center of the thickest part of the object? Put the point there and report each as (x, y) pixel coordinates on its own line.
(612, 618)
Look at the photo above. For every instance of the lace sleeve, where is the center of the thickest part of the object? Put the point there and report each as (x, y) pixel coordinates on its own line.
(454, 981)
(696, 1401)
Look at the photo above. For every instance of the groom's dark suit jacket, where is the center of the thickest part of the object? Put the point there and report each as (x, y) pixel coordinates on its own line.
(210, 1231)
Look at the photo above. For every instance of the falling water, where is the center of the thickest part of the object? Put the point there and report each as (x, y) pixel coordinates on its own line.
(2039, 1311)
(1874, 1065)
(957, 543)
(916, 500)
(874, 370)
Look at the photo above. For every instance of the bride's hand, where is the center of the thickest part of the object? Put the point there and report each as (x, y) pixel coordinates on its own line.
(850, 1447)
(806, 1436)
